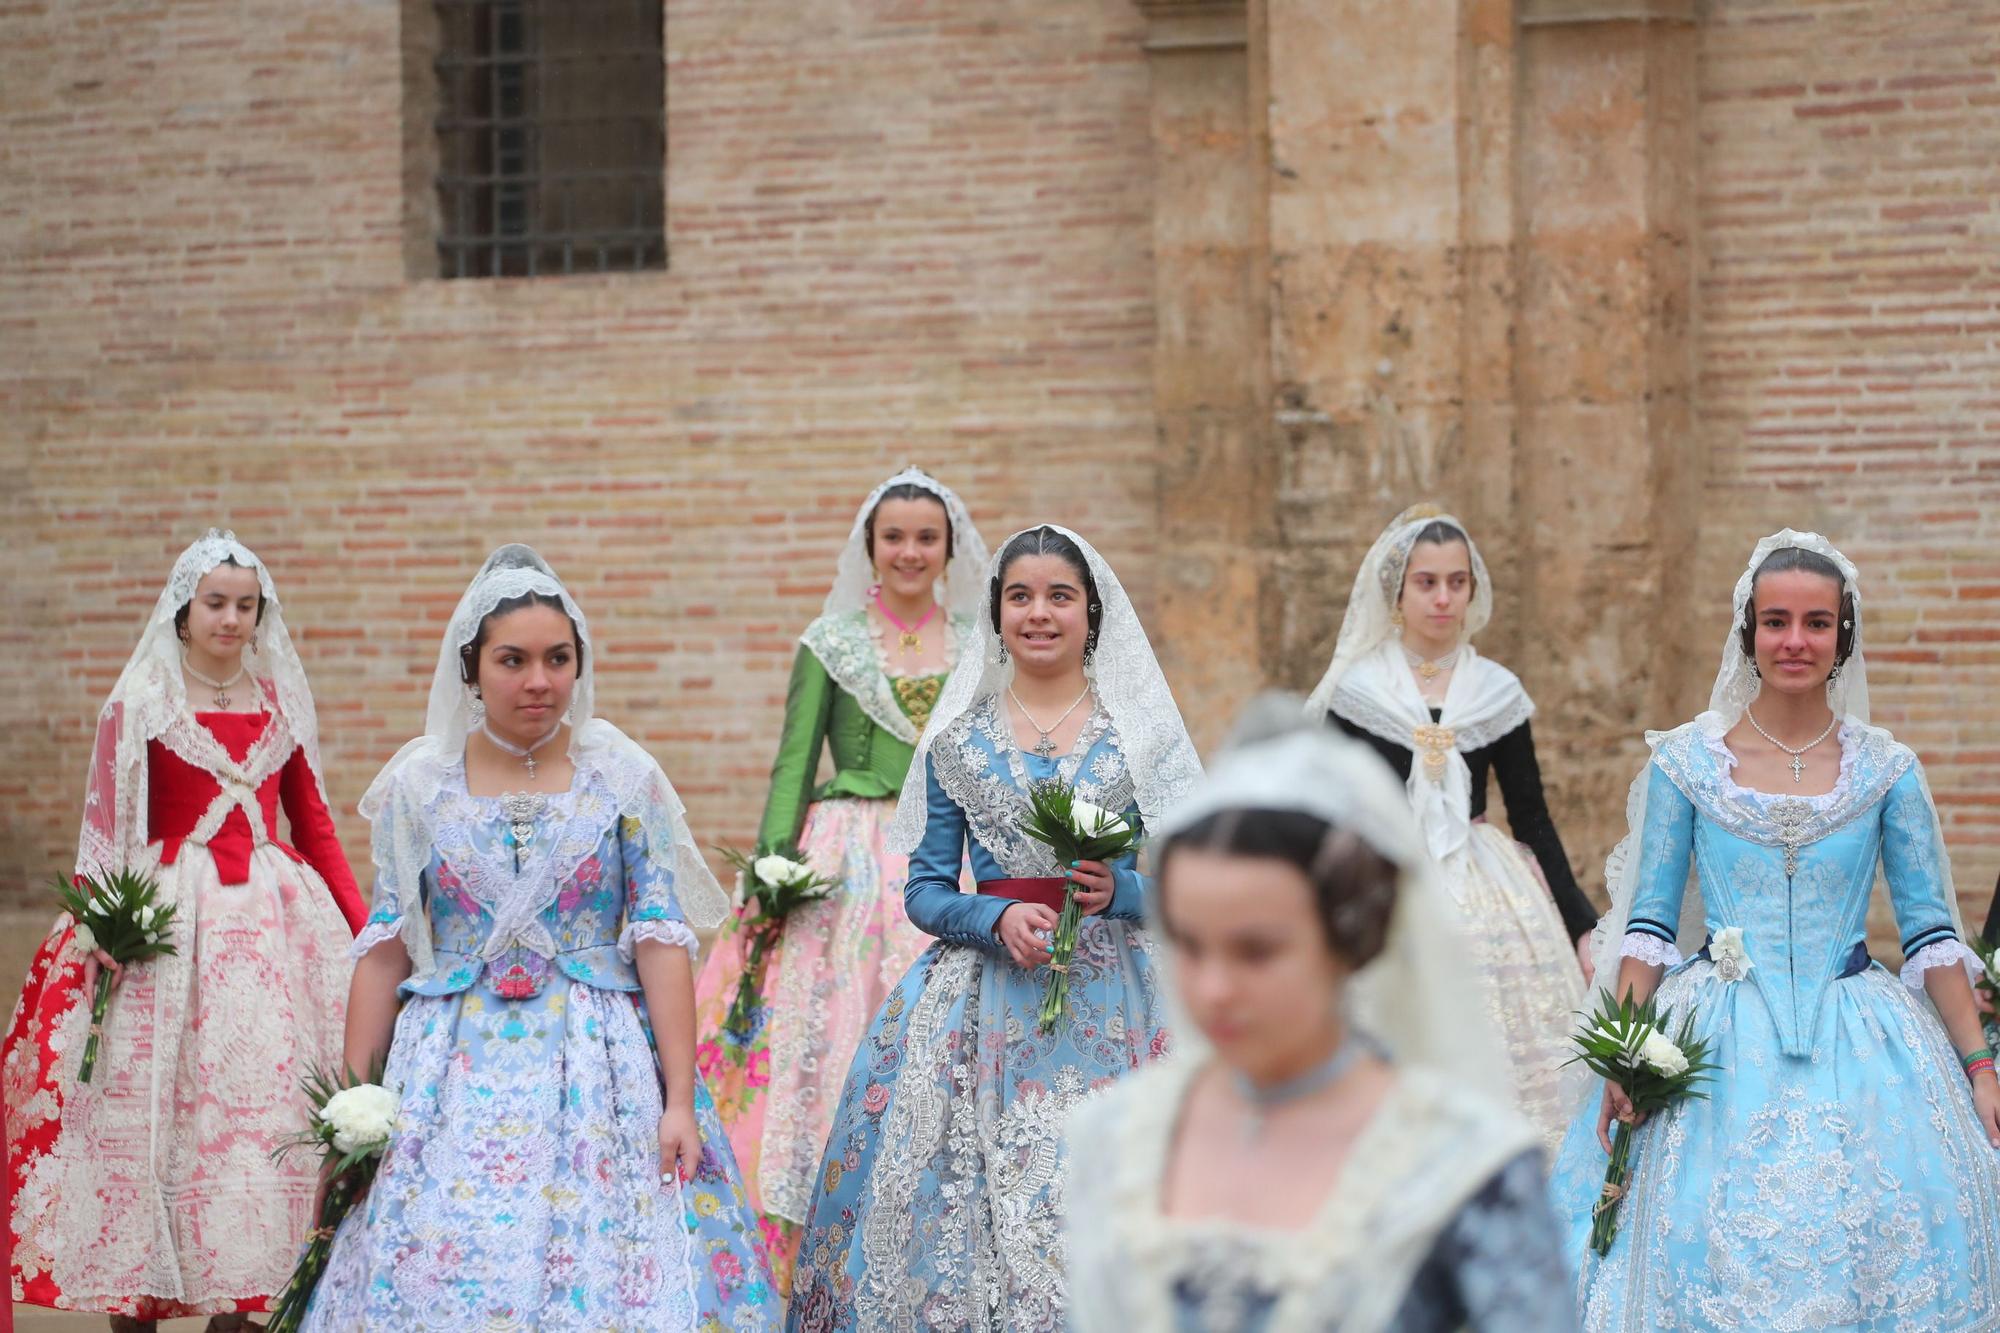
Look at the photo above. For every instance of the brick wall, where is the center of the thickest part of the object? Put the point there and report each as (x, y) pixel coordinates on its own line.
(1850, 345)
(898, 232)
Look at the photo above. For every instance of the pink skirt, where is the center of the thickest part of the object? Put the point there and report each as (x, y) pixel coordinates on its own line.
(821, 982)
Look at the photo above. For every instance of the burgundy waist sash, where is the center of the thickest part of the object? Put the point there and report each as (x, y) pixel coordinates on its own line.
(1046, 891)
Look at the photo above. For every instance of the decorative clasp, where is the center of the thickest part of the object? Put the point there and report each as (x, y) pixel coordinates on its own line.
(1435, 744)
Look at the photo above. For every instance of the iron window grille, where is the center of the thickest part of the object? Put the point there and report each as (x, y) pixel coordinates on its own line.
(551, 137)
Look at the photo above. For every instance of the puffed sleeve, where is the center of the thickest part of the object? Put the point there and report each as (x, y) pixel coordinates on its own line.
(931, 897)
(1520, 774)
(396, 908)
(313, 835)
(1665, 851)
(808, 703)
(651, 910)
(1914, 863)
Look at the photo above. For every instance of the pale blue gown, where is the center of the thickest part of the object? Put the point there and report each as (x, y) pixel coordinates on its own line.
(1836, 1175)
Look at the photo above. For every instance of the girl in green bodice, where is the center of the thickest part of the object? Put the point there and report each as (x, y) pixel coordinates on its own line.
(868, 671)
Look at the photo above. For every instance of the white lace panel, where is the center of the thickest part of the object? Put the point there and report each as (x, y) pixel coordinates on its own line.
(1650, 949)
(989, 781)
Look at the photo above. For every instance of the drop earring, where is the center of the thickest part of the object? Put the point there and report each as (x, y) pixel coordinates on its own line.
(478, 706)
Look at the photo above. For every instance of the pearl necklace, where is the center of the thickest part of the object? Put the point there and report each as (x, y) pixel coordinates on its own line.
(221, 687)
(527, 755)
(1798, 755)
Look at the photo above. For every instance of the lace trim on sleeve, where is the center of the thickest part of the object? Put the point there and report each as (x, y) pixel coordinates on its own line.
(1941, 954)
(374, 933)
(1648, 948)
(666, 932)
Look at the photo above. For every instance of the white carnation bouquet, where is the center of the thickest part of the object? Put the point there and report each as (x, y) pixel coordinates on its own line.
(1075, 830)
(772, 887)
(349, 1125)
(1627, 1043)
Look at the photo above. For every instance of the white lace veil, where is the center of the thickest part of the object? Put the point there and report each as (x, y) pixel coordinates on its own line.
(1417, 997)
(958, 591)
(1378, 586)
(1129, 683)
(1736, 686)
(150, 703)
(399, 802)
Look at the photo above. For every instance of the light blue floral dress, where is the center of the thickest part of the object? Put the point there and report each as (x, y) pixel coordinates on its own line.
(939, 1202)
(522, 1187)
(1836, 1175)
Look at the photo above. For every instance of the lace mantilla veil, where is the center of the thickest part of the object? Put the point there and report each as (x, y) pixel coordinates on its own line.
(400, 802)
(1736, 686)
(1378, 585)
(149, 703)
(1130, 687)
(847, 651)
(958, 591)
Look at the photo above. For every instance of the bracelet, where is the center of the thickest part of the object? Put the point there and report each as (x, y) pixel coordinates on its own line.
(1977, 1067)
(1971, 1058)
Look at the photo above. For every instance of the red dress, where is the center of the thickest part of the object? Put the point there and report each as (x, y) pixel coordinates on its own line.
(151, 1191)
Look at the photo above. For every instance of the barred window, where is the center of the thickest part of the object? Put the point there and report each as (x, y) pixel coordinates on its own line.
(551, 137)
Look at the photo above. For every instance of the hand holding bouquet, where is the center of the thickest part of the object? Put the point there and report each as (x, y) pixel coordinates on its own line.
(773, 887)
(121, 915)
(1626, 1043)
(350, 1123)
(1076, 831)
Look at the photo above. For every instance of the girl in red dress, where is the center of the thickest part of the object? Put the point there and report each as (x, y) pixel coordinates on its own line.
(150, 1192)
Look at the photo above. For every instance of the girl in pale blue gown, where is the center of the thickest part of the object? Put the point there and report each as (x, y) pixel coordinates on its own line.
(557, 1162)
(1843, 1170)
(939, 1202)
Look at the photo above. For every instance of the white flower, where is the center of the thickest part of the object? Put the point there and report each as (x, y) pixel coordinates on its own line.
(360, 1117)
(1095, 821)
(1732, 960)
(146, 915)
(737, 898)
(1660, 1052)
(779, 871)
(86, 938)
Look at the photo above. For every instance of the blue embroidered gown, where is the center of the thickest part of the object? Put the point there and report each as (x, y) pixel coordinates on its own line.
(1836, 1176)
(939, 1203)
(522, 1187)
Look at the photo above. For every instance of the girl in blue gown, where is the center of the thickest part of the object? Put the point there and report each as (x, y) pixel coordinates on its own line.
(939, 1202)
(1843, 1170)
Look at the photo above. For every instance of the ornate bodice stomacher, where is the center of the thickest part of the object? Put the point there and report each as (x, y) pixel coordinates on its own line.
(1795, 874)
(240, 782)
(900, 705)
(979, 767)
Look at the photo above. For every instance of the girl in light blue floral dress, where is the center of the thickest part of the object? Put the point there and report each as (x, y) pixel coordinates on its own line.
(1843, 1169)
(557, 1163)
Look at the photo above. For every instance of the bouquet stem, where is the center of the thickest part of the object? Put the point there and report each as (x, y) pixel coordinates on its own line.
(748, 985)
(288, 1312)
(99, 1002)
(1604, 1214)
(1062, 949)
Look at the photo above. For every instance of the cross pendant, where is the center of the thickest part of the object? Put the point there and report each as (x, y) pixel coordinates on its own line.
(1798, 768)
(1046, 746)
(531, 766)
